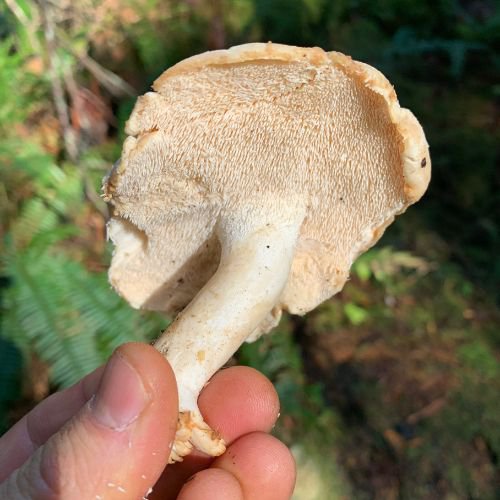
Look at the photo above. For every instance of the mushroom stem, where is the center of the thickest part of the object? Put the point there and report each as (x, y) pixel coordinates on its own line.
(253, 271)
(252, 274)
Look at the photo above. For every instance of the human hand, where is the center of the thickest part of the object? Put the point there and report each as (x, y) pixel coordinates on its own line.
(108, 437)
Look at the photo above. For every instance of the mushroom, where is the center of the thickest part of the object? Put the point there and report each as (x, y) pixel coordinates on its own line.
(250, 180)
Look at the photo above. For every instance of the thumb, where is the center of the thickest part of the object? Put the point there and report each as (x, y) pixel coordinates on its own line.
(117, 445)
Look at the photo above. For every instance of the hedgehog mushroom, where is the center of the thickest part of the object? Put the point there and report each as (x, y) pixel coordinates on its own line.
(250, 180)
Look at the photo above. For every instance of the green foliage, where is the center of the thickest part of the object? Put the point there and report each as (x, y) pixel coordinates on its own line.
(405, 43)
(20, 91)
(356, 314)
(67, 315)
(10, 379)
(431, 362)
(478, 357)
(390, 390)
(463, 440)
(54, 306)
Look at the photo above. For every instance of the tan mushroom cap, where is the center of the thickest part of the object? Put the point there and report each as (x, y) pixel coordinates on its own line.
(258, 130)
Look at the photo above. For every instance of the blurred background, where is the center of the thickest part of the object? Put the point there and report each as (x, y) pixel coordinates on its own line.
(390, 390)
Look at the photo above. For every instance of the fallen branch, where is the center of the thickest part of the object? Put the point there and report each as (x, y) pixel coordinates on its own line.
(69, 136)
(113, 83)
(26, 22)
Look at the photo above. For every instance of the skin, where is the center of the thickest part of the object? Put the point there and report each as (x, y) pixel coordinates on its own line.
(95, 441)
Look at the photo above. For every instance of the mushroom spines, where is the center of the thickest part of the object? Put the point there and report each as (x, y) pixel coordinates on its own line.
(251, 180)
(266, 127)
(415, 158)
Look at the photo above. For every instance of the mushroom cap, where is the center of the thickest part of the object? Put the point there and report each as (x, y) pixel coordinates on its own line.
(260, 130)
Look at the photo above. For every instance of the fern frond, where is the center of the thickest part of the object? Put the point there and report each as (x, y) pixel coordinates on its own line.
(69, 316)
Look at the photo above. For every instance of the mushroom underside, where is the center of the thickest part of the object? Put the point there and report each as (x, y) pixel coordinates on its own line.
(250, 186)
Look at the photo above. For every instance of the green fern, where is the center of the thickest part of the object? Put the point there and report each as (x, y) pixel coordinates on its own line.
(53, 305)
(67, 315)
(20, 91)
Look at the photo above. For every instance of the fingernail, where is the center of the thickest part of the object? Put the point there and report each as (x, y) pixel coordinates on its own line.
(121, 396)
